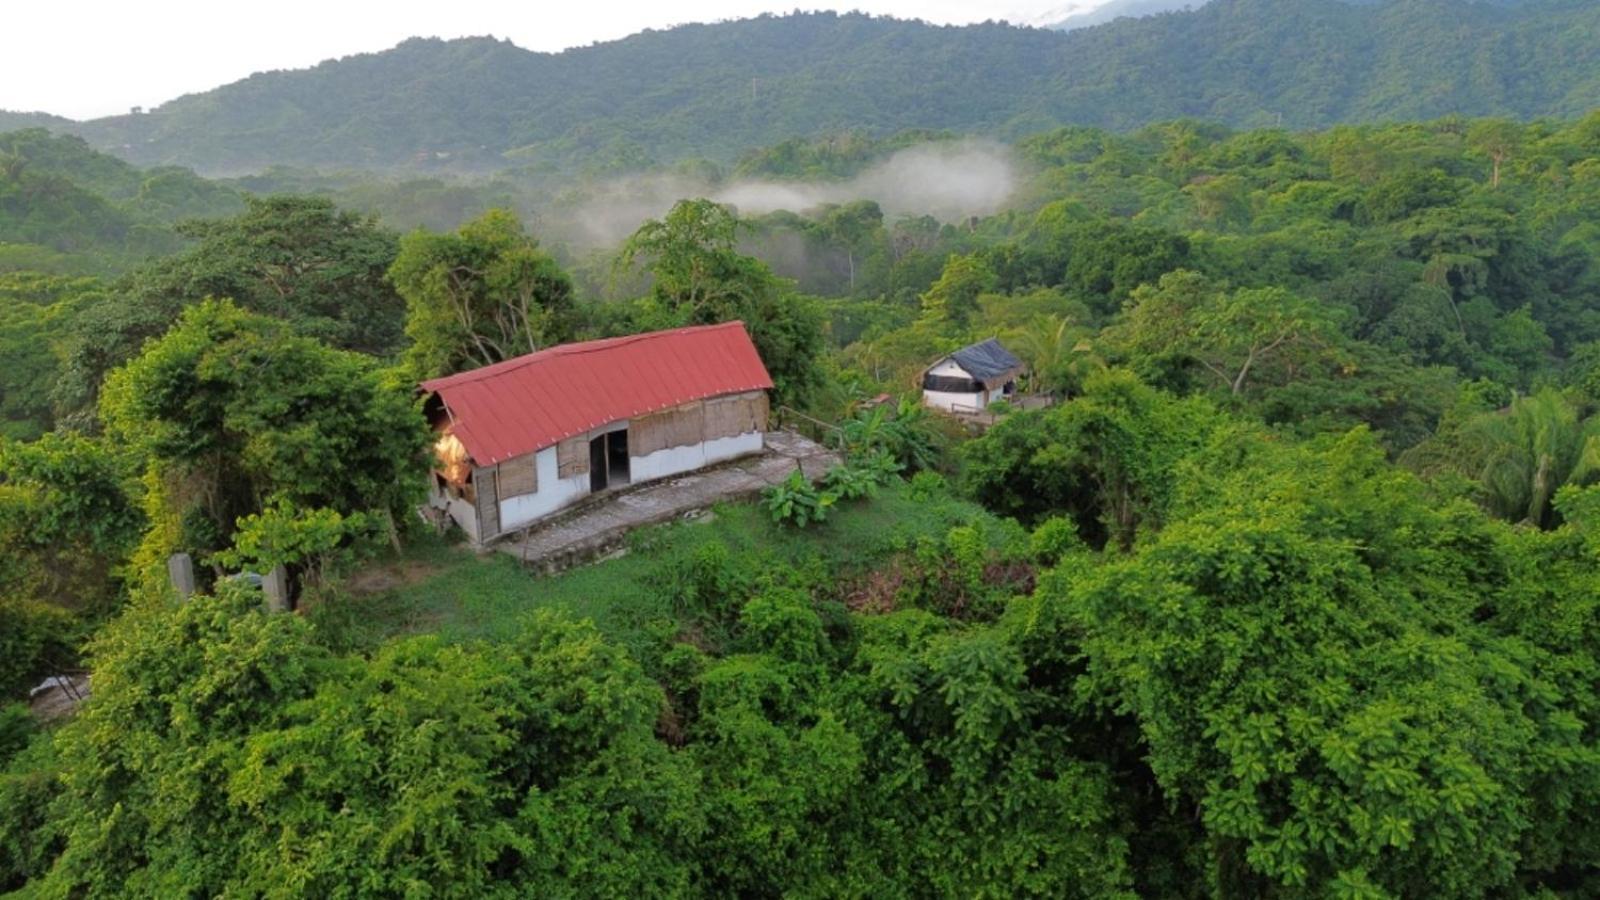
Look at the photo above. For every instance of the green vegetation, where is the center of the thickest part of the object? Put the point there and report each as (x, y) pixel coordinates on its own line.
(1291, 592)
(234, 414)
(66, 209)
(451, 593)
(483, 295)
(699, 277)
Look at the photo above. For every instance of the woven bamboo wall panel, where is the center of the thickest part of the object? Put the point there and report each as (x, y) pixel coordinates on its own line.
(680, 426)
(760, 410)
(735, 415)
(519, 476)
(488, 501)
(572, 457)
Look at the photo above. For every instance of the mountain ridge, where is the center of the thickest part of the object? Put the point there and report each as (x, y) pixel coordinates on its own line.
(715, 90)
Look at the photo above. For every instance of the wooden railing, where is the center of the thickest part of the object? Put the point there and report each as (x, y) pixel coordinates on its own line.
(985, 416)
(817, 430)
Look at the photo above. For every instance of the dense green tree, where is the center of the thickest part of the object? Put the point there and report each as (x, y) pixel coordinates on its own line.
(1523, 454)
(699, 277)
(66, 526)
(1109, 260)
(66, 520)
(857, 229)
(298, 259)
(467, 770)
(1109, 458)
(1237, 338)
(1334, 718)
(481, 295)
(954, 297)
(34, 312)
(1059, 354)
(232, 411)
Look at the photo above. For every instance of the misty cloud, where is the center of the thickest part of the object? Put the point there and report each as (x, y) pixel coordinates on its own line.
(949, 181)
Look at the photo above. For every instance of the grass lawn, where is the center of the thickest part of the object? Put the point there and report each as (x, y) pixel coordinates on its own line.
(447, 589)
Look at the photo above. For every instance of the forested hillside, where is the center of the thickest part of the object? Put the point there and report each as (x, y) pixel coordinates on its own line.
(66, 208)
(718, 90)
(1292, 592)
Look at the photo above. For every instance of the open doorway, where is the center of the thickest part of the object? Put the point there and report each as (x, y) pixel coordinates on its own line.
(617, 458)
(608, 461)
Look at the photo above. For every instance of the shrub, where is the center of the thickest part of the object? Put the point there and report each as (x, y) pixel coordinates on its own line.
(17, 727)
(926, 485)
(796, 501)
(705, 579)
(34, 639)
(1054, 538)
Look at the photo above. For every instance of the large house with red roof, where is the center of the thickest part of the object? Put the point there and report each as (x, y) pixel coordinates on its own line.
(521, 439)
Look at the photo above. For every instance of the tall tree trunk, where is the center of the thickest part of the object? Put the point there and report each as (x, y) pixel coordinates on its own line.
(392, 529)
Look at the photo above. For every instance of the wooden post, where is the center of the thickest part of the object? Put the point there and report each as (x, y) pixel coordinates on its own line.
(180, 571)
(276, 586)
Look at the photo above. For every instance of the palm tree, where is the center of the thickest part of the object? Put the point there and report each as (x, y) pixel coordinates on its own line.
(1058, 351)
(1524, 453)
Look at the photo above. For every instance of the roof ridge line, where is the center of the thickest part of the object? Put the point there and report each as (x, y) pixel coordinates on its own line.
(575, 348)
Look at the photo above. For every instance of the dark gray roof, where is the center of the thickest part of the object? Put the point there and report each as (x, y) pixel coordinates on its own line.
(986, 359)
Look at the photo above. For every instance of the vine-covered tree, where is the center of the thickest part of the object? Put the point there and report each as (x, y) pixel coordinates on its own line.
(699, 277)
(1236, 337)
(231, 411)
(298, 259)
(481, 295)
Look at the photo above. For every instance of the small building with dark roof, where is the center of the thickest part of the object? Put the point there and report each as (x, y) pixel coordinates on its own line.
(971, 378)
(523, 438)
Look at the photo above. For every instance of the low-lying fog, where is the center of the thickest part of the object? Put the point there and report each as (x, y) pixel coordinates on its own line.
(949, 181)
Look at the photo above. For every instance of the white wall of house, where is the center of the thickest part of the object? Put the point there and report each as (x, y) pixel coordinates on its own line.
(554, 492)
(676, 460)
(953, 401)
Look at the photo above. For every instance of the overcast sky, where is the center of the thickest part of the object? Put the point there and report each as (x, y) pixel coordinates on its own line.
(85, 59)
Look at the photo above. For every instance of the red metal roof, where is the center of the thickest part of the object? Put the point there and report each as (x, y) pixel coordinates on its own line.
(531, 402)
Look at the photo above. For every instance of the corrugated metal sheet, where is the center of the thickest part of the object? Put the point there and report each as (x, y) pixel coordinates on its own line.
(531, 402)
(986, 359)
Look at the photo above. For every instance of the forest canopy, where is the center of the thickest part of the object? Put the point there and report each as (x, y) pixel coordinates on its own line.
(1282, 581)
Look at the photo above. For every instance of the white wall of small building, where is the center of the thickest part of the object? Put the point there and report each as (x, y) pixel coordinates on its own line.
(958, 401)
(554, 492)
(677, 460)
(950, 401)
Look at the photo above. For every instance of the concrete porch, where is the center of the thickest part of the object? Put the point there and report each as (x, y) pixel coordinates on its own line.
(602, 522)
